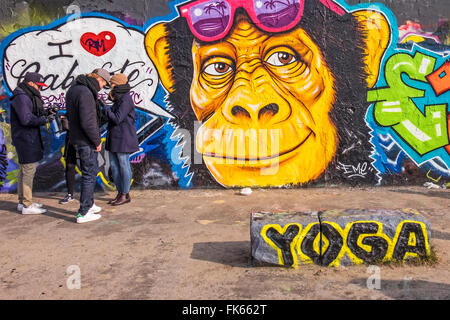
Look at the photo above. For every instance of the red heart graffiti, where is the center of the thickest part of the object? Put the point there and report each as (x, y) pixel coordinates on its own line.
(98, 44)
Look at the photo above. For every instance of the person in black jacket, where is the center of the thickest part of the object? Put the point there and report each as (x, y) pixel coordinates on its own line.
(27, 116)
(83, 107)
(121, 140)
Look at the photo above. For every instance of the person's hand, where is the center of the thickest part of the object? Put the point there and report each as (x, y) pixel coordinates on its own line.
(64, 123)
(51, 111)
(54, 109)
(50, 118)
(98, 148)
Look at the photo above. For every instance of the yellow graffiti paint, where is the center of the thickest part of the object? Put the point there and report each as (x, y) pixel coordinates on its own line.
(298, 255)
(413, 38)
(296, 143)
(412, 239)
(316, 244)
(105, 182)
(397, 234)
(12, 176)
(239, 78)
(435, 180)
(303, 257)
(336, 262)
(361, 238)
(281, 231)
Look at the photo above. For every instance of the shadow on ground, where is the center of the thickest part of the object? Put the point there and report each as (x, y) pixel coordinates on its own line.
(98, 196)
(438, 194)
(230, 253)
(435, 234)
(53, 212)
(410, 289)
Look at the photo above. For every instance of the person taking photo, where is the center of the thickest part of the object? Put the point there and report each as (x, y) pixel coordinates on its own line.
(27, 116)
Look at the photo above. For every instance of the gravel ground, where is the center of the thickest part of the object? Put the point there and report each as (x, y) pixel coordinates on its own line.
(195, 244)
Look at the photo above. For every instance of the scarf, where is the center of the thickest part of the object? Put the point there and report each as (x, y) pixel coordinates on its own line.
(94, 87)
(35, 96)
(89, 82)
(119, 91)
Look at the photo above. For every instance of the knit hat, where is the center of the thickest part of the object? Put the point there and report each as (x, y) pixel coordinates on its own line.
(119, 79)
(103, 73)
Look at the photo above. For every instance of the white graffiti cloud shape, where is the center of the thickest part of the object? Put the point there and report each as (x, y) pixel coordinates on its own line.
(77, 47)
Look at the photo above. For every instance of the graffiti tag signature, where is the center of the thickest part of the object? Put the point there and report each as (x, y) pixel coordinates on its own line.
(351, 171)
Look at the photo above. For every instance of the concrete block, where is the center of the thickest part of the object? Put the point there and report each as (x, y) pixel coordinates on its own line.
(339, 237)
(274, 236)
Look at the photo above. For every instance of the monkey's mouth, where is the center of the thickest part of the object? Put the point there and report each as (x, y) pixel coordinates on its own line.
(274, 155)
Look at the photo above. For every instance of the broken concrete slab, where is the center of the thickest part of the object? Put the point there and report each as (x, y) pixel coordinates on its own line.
(339, 237)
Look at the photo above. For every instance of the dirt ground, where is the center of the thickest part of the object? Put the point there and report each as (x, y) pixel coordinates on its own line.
(195, 244)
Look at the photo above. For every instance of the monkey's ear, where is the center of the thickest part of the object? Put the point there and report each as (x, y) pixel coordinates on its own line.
(158, 50)
(377, 33)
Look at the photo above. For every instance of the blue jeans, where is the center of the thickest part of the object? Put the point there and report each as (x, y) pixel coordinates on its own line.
(121, 171)
(89, 171)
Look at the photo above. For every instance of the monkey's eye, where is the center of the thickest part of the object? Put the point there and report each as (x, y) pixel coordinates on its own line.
(281, 58)
(217, 69)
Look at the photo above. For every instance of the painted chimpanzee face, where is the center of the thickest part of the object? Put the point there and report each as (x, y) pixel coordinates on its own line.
(263, 98)
(264, 101)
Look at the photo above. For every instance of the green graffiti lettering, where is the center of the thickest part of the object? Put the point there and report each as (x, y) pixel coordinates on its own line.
(395, 108)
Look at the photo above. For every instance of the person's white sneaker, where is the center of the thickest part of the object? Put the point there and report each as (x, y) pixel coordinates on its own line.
(95, 209)
(89, 216)
(33, 210)
(34, 204)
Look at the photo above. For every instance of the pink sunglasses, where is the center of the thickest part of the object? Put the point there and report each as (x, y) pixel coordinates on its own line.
(211, 20)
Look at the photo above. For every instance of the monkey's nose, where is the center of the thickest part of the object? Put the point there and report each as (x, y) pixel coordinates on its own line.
(270, 109)
(239, 111)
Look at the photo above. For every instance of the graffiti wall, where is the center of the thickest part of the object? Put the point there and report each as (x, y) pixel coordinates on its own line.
(257, 93)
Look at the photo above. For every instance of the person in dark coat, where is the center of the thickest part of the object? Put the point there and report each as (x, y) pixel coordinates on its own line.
(27, 116)
(83, 106)
(121, 139)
